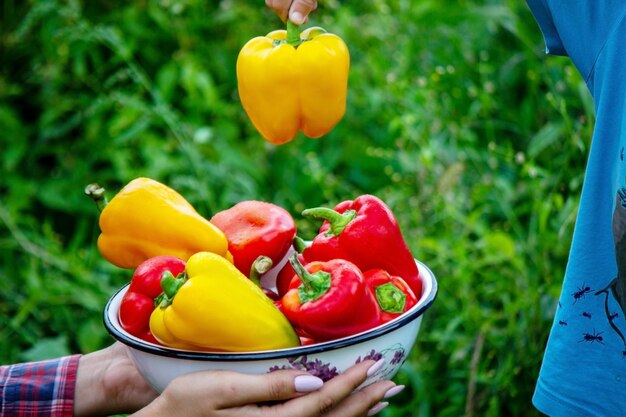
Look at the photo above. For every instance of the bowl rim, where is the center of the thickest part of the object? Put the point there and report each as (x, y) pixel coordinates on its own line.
(136, 343)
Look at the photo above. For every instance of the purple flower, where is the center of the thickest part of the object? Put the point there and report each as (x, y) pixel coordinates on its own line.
(316, 367)
(371, 355)
(277, 368)
(398, 357)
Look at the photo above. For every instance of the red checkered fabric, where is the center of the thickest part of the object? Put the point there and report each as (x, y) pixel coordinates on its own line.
(42, 389)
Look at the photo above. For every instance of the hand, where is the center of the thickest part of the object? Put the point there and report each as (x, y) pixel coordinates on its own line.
(297, 10)
(286, 393)
(108, 383)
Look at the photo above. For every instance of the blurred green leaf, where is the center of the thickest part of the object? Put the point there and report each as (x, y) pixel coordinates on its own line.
(547, 136)
(90, 337)
(47, 348)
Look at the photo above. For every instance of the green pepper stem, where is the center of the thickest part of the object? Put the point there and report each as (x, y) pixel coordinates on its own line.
(293, 34)
(299, 244)
(98, 195)
(313, 285)
(390, 298)
(337, 221)
(260, 266)
(170, 285)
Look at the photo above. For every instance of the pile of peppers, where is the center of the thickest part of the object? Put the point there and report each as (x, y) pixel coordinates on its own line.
(356, 274)
(200, 284)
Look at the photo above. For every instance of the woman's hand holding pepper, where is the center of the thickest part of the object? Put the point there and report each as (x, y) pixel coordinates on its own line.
(297, 10)
(285, 393)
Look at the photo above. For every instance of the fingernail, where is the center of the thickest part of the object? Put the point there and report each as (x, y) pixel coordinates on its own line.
(393, 391)
(376, 409)
(297, 18)
(376, 367)
(307, 383)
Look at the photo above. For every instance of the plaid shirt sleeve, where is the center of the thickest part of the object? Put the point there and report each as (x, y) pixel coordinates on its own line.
(41, 389)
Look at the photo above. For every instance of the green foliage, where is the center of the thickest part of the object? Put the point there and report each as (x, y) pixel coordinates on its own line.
(455, 118)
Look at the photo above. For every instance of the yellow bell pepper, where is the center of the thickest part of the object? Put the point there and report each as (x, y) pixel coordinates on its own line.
(165, 337)
(147, 219)
(215, 307)
(290, 81)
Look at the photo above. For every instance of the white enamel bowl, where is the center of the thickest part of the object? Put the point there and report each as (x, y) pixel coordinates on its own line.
(391, 341)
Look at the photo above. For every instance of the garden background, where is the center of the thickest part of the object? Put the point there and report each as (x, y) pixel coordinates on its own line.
(455, 117)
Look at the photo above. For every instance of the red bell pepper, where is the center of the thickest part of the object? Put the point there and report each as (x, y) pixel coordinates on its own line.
(365, 232)
(305, 339)
(254, 229)
(329, 300)
(145, 286)
(393, 294)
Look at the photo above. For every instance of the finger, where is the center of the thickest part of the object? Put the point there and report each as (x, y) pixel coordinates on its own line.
(300, 9)
(367, 401)
(280, 7)
(333, 392)
(238, 389)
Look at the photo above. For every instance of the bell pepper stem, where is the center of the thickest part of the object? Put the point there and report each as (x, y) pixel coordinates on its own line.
(337, 221)
(293, 34)
(390, 298)
(314, 285)
(170, 285)
(260, 266)
(97, 194)
(299, 244)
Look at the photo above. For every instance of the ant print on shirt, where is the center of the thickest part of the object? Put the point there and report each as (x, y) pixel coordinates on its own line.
(602, 312)
(617, 286)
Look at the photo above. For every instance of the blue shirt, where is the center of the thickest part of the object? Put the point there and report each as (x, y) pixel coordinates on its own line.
(584, 367)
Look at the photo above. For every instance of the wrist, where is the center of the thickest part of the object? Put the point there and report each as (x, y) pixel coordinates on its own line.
(157, 408)
(108, 383)
(90, 398)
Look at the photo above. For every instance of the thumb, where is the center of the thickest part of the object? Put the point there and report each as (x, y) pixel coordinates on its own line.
(300, 9)
(274, 386)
